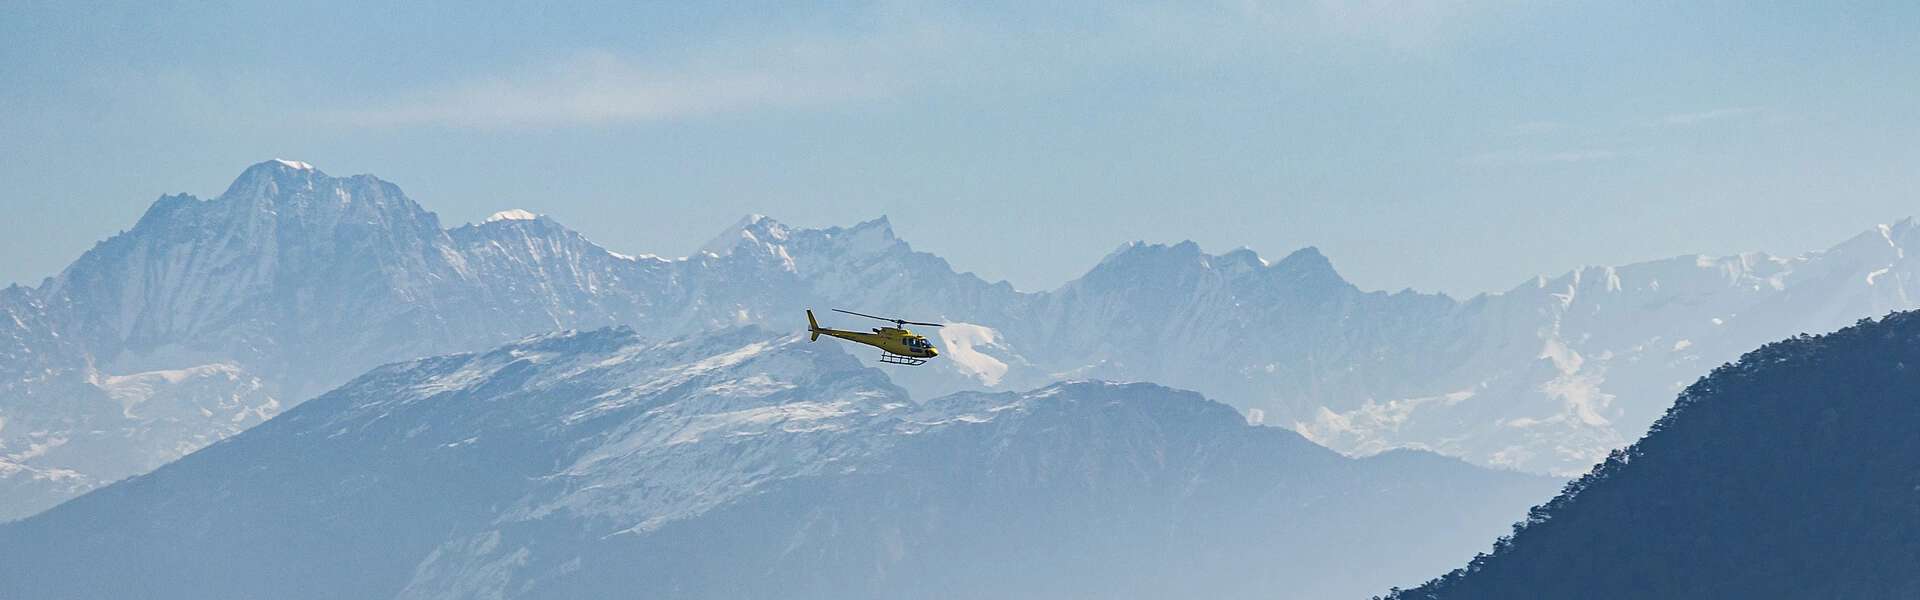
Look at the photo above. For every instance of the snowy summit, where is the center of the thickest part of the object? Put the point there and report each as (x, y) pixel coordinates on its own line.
(294, 164)
(512, 215)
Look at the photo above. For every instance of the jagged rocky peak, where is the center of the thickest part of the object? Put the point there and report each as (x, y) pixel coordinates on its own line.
(519, 222)
(1137, 260)
(290, 194)
(764, 234)
(1154, 403)
(1903, 228)
(285, 249)
(1245, 256)
(1134, 256)
(751, 229)
(292, 191)
(264, 179)
(1308, 262)
(870, 236)
(1139, 265)
(1882, 243)
(161, 212)
(1308, 257)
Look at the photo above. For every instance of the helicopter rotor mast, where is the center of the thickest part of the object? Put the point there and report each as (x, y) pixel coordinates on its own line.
(896, 322)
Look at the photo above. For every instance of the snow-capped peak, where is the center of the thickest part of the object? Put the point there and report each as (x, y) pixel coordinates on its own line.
(758, 228)
(294, 164)
(512, 215)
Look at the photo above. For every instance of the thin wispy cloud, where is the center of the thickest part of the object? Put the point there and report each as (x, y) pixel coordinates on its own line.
(1645, 131)
(1401, 23)
(1540, 157)
(1532, 128)
(911, 50)
(602, 88)
(1718, 114)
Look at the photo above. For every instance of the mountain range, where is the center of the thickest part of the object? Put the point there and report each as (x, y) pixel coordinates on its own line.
(210, 316)
(749, 463)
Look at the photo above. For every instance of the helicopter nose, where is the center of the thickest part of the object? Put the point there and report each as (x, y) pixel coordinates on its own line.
(933, 351)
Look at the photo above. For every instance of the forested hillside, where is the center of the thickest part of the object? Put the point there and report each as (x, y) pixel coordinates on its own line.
(1794, 473)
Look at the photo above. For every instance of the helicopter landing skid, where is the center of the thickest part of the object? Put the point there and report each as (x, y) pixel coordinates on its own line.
(896, 359)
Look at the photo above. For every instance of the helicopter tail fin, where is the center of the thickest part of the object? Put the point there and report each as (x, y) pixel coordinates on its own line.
(813, 328)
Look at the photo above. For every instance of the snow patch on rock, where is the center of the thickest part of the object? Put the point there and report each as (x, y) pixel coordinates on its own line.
(512, 215)
(963, 342)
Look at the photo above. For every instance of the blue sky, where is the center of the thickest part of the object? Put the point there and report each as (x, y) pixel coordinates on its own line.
(1445, 146)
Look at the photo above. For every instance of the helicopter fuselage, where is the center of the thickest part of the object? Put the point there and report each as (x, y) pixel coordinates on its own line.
(892, 340)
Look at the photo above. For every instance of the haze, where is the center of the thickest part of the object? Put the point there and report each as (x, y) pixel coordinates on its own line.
(1457, 147)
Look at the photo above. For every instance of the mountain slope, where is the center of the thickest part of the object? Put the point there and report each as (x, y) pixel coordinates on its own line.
(1794, 473)
(750, 464)
(1283, 338)
(1567, 368)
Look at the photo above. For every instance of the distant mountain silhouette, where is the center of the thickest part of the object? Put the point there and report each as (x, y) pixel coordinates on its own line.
(1794, 473)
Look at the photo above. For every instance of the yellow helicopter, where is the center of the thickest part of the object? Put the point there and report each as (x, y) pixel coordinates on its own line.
(897, 345)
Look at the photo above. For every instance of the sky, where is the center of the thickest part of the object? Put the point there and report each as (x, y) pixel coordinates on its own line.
(1459, 147)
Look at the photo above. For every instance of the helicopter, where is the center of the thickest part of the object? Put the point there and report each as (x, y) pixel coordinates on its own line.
(897, 345)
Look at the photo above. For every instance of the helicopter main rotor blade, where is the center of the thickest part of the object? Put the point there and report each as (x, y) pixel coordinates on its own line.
(867, 316)
(902, 322)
